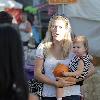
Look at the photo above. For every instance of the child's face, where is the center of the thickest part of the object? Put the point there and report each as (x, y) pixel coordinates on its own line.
(79, 49)
(58, 30)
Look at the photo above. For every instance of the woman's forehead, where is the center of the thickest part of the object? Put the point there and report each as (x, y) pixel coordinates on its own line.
(59, 22)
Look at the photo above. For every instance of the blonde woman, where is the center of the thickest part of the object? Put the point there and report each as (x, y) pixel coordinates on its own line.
(56, 49)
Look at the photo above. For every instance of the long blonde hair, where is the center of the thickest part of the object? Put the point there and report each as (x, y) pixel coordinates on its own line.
(65, 43)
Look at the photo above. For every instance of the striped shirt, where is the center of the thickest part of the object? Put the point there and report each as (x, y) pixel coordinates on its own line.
(74, 63)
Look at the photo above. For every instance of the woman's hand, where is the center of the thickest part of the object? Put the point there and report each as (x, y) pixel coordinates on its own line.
(59, 84)
(65, 82)
(70, 79)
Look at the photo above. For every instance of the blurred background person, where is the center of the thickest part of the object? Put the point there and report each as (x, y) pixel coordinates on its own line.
(25, 29)
(13, 85)
(35, 28)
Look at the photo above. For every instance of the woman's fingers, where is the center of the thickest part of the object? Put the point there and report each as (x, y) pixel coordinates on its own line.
(69, 83)
(70, 79)
(66, 81)
(59, 84)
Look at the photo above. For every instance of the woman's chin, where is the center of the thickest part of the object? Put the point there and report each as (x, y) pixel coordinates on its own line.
(57, 39)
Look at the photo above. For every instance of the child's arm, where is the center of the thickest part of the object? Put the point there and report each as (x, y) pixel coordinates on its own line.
(78, 72)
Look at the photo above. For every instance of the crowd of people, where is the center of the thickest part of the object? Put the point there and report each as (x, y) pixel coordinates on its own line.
(58, 47)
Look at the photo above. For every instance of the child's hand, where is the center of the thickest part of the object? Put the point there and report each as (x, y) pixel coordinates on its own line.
(64, 74)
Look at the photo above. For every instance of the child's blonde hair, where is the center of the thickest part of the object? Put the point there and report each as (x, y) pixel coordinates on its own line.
(66, 42)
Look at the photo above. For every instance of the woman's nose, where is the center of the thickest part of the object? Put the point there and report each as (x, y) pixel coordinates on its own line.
(55, 30)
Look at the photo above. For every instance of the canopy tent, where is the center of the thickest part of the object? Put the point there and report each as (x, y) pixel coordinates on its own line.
(88, 9)
(12, 7)
(85, 20)
(10, 4)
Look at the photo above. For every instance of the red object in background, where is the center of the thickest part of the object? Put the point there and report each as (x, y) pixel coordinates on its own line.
(15, 12)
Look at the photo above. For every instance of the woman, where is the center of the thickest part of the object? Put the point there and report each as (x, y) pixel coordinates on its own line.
(55, 49)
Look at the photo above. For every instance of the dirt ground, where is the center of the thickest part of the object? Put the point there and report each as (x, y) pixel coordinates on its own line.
(91, 86)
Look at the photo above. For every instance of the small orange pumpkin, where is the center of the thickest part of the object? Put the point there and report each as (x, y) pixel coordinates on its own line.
(59, 69)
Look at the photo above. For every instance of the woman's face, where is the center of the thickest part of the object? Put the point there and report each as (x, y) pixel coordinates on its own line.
(58, 30)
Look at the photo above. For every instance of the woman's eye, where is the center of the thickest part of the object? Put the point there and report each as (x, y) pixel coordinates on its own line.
(56, 27)
(60, 27)
(53, 27)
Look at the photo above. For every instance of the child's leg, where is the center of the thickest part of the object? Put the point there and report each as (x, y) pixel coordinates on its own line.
(59, 93)
(82, 93)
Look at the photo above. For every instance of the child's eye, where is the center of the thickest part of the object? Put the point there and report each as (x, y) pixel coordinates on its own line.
(73, 47)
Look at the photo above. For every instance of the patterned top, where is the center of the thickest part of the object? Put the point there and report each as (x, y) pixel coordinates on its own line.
(74, 63)
(49, 65)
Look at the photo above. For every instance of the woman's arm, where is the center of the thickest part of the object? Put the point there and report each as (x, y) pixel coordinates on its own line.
(41, 77)
(91, 70)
